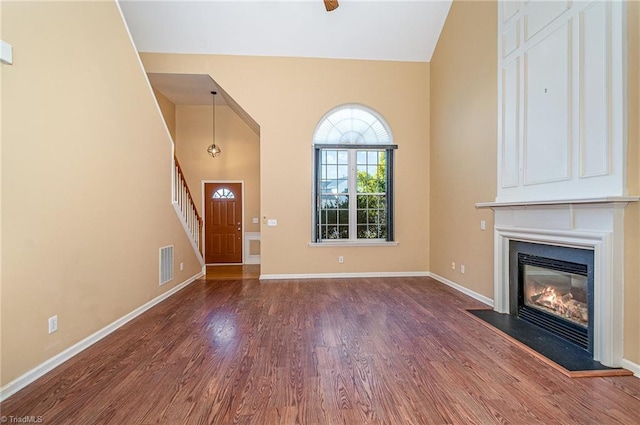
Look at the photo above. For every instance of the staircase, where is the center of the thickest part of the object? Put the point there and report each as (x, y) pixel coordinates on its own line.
(185, 207)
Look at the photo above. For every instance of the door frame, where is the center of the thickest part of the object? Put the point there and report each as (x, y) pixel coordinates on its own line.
(204, 230)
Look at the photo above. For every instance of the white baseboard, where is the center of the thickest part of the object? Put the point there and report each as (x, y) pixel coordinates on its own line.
(341, 275)
(633, 367)
(55, 361)
(460, 288)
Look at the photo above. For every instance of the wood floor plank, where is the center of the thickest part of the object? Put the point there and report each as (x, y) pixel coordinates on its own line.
(232, 350)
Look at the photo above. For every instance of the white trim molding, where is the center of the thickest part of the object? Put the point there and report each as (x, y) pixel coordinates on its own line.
(485, 300)
(55, 361)
(633, 367)
(342, 275)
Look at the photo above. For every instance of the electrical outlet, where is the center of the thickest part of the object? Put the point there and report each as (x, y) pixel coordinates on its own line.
(53, 324)
(453, 265)
(462, 268)
(341, 259)
(181, 266)
(483, 225)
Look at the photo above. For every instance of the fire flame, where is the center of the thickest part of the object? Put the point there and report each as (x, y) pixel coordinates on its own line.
(562, 305)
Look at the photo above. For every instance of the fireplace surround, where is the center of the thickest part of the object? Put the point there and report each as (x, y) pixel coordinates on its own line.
(595, 225)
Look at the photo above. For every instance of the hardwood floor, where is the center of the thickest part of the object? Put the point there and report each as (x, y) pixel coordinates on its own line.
(341, 351)
(240, 271)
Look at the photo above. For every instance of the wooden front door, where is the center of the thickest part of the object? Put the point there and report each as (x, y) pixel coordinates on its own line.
(223, 223)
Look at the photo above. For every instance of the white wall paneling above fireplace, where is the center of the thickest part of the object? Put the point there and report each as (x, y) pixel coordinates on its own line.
(561, 100)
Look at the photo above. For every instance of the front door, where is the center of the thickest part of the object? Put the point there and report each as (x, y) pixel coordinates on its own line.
(223, 223)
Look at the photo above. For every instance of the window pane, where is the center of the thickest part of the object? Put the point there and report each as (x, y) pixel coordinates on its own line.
(371, 171)
(365, 183)
(343, 186)
(343, 217)
(334, 175)
(334, 217)
(331, 232)
(371, 217)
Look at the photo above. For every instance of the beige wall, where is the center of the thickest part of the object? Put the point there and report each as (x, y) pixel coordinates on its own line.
(240, 158)
(287, 97)
(632, 213)
(168, 110)
(86, 177)
(2, 66)
(1, 240)
(463, 145)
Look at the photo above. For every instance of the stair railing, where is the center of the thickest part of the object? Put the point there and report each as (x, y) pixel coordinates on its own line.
(186, 207)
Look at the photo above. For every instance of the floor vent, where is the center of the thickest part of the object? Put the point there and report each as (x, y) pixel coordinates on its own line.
(166, 264)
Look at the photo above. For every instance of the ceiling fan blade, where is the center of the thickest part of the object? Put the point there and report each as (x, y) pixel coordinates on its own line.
(331, 5)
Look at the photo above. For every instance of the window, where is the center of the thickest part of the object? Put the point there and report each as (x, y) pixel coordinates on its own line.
(223, 194)
(353, 176)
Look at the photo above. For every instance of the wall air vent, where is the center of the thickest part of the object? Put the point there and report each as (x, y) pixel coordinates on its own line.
(166, 264)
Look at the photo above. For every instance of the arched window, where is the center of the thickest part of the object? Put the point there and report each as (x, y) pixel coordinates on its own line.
(353, 169)
(223, 193)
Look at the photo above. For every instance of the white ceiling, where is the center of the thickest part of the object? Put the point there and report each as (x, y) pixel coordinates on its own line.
(392, 30)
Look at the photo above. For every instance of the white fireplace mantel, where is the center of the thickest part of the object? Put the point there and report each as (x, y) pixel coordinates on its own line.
(596, 224)
(624, 200)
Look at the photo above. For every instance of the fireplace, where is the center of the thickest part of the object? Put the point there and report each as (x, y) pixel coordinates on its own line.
(552, 287)
(594, 226)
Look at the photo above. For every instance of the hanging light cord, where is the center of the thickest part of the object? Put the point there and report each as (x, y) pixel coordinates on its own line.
(213, 150)
(213, 114)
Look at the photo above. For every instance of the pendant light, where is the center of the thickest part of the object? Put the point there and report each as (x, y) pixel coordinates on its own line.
(213, 150)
